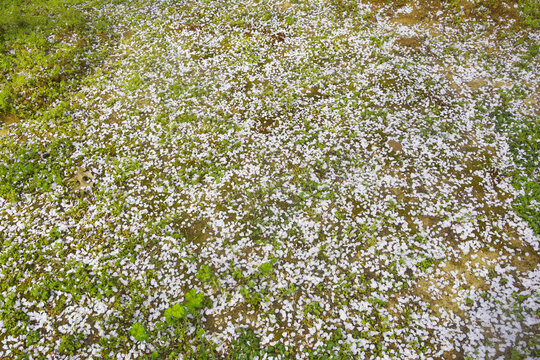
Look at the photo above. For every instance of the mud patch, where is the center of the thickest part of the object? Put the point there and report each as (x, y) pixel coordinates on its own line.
(411, 15)
(412, 43)
(439, 288)
(428, 12)
(7, 120)
(429, 221)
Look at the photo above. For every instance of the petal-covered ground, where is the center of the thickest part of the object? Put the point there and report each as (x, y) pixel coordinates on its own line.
(309, 179)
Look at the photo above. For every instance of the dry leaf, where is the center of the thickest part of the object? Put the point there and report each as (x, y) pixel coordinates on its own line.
(83, 179)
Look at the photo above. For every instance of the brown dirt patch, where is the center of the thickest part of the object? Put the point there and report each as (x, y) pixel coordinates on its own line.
(533, 101)
(9, 119)
(500, 11)
(6, 121)
(432, 290)
(423, 11)
(416, 16)
(413, 43)
(429, 221)
(396, 147)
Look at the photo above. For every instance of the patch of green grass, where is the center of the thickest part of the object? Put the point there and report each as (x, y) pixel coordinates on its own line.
(71, 343)
(425, 264)
(41, 43)
(247, 346)
(33, 168)
(313, 308)
(530, 10)
(333, 348)
(22, 17)
(524, 139)
(266, 268)
(344, 8)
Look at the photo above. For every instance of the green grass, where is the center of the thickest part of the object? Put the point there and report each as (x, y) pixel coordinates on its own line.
(531, 12)
(41, 47)
(524, 140)
(34, 168)
(39, 78)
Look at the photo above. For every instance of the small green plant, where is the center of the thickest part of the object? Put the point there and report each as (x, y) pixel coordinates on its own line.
(407, 316)
(71, 343)
(237, 273)
(134, 83)
(194, 300)
(206, 275)
(425, 264)
(250, 295)
(287, 291)
(246, 345)
(138, 331)
(177, 311)
(290, 20)
(379, 41)
(32, 337)
(266, 268)
(516, 355)
(313, 308)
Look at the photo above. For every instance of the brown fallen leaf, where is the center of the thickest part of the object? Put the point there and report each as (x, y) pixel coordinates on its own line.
(83, 179)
